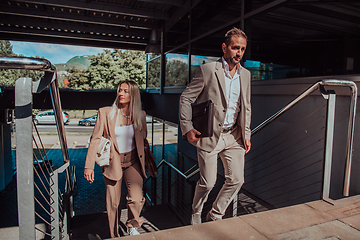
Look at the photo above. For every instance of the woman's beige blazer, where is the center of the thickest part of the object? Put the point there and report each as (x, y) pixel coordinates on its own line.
(106, 127)
(209, 84)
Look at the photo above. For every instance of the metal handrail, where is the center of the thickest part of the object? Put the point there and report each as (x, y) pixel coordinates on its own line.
(350, 137)
(23, 97)
(25, 63)
(50, 79)
(162, 162)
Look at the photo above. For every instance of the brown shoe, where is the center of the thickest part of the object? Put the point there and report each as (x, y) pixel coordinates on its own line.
(210, 217)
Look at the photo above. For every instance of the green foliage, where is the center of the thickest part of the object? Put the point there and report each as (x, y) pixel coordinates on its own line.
(6, 48)
(77, 80)
(176, 73)
(154, 73)
(9, 76)
(108, 68)
(35, 111)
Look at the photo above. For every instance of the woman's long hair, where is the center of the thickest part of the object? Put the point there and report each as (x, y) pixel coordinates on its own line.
(136, 115)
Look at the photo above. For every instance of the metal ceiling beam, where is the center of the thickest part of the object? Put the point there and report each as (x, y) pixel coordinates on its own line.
(177, 3)
(265, 8)
(69, 27)
(72, 35)
(337, 14)
(305, 24)
(180, 13)
(70, 41)
(101, 7)
(74, 17)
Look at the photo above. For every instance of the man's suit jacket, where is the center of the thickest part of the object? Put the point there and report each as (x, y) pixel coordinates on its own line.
(106, 127)
(209, 84)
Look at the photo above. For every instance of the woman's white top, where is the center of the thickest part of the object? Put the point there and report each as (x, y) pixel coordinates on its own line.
(125, 138)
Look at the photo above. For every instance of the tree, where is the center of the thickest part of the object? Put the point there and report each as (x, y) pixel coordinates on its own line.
(9, 76)
(6, 48)
(110, 67)
(154, 73)
(176, 73)
(77, 79)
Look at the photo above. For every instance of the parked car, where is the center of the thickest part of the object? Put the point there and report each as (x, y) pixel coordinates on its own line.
(149, 119)
(48, 117)
(88, 121)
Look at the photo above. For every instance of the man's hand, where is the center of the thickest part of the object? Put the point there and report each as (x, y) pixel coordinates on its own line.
(89, 174)
(247, 145)
(191, 135)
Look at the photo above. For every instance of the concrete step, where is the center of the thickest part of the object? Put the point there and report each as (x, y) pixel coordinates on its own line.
(87, 227)
(322, 219)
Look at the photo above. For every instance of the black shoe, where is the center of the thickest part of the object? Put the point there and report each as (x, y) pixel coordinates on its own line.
(94, 237)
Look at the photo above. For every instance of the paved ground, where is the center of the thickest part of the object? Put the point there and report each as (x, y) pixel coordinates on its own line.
(329, 219)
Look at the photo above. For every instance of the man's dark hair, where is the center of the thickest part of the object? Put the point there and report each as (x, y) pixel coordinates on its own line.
(233, 32)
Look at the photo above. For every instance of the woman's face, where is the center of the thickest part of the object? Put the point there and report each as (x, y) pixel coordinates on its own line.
(124, 94)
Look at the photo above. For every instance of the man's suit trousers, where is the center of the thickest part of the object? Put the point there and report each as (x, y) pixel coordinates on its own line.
(231, 152)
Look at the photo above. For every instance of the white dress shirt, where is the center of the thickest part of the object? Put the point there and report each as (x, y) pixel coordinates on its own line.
(232, 87)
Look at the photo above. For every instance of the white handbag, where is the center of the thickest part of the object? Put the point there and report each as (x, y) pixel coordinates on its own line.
(103, 153)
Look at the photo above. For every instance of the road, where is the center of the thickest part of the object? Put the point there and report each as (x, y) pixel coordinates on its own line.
(73, 126)
(85, 132)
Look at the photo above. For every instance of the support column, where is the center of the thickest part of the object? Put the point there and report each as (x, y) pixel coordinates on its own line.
(24, 158)
(162, 62)
(329, 145)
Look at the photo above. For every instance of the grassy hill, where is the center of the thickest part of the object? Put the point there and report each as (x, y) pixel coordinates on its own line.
(60, 67)
(79, 62)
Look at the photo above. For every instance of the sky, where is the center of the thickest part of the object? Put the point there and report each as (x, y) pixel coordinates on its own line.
(55, 53)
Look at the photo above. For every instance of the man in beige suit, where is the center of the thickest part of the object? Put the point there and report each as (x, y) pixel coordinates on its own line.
(227, 84)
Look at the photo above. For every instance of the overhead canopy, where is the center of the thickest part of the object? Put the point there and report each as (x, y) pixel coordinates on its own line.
(279, 30)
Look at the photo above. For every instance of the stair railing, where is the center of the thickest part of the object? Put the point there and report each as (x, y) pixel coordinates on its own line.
(330, 128)
(166, 185)
(47, 204)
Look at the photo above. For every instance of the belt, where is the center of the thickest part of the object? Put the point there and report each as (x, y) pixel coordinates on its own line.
(225, 130)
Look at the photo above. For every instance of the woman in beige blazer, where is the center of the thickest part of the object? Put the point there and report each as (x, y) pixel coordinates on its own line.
(124, 124)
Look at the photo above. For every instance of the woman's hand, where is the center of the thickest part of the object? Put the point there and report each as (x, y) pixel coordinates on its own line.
(89, 174)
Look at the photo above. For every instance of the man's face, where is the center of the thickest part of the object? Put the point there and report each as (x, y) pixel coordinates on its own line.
(234, 52)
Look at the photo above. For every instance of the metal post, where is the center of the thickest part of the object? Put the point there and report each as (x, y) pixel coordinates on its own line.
(180, 193)
(350, 139)
(189, 48)
(169, 184)
(55, 231)
(55, 223)
(163, 141)
(24, 159)
(329, 145)
(242, 16)
(146, 72)
(234, 205)
(162, 62)
(152, 133)
(153, 190)
(163, 185)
